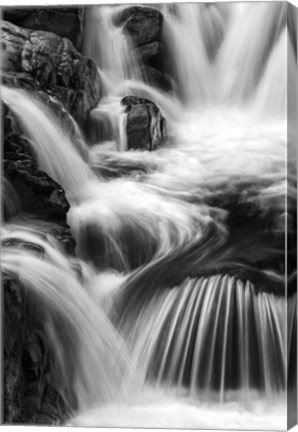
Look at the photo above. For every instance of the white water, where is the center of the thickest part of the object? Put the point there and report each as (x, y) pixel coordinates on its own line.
(226, 124)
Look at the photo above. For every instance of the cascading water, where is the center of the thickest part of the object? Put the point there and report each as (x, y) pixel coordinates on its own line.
(167, 262)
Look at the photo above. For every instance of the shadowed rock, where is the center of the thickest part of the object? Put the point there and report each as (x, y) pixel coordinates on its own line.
(146, 127)
(29, 396)
(142, 24)
(65, 22)
(150, 54)
(50, 63)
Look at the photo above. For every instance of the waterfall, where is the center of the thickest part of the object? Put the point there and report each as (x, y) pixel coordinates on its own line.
(105, 43)
(177, 316)
(89, 354)
(212, 334)
(55, 151)
(243, 56)
(188, 57)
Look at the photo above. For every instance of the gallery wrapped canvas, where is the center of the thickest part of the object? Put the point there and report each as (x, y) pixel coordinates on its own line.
(149, 215)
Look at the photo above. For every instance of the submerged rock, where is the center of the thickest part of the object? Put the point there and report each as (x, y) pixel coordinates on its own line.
(52, 64)
(142, 24)
(146, 127)
(65, 22)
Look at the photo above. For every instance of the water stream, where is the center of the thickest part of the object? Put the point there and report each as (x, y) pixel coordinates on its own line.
(168, 328)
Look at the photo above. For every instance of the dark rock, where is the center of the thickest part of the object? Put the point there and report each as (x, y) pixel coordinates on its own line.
(155, 78)
(28, 390)
(146, 128)
(37, 193)
(65, 22)
(151, 54)
(142, 24)
(54, 66)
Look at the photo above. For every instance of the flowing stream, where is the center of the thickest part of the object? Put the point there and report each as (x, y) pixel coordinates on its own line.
(167, 322)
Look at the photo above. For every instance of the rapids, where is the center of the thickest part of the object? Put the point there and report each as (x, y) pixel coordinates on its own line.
(171, 321)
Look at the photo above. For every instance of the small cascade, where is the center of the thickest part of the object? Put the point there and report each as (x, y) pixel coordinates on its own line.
(244, 53)
(211, 336)
(55, 152)
(188, 60)
(90, 357)
(107, 124)
(105, 43)
(271, 93)
(173, 312)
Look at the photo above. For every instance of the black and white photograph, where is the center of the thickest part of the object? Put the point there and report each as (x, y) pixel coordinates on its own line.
(149, 215)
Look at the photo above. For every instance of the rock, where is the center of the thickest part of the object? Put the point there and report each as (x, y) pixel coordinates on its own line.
(28, 390)
(151, 54)
(66, 22)
(51, 64)
(37, 193)
(146, 127)
(142, 24)
(155, 78)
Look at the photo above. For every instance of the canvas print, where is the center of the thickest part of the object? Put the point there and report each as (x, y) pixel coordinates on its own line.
(149, 215)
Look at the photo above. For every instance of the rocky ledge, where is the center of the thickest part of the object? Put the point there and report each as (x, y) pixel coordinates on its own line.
(47, 62)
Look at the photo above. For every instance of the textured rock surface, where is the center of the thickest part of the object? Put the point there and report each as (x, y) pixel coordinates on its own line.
(29, 396)
(50, 63)
(146, 128)
(142, 24)
(65, 22)
(36, 191)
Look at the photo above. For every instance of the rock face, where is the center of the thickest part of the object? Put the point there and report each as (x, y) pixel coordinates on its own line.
(143, 25)
(65, 22)
(146, 127)
(36, 191)
(50, 63)
(29, 396)
(29, 393)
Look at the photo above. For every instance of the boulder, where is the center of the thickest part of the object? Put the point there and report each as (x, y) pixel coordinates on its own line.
(51, 64)
(142, 24)
(146, 127)
(66, 22)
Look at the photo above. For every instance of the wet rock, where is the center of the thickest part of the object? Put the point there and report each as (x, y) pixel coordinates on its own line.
(65, 22)
(146, 127)
(155, 78)
(51, 64)
(142, 24)
(37, 193)
(150, 54)
(29, 394)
